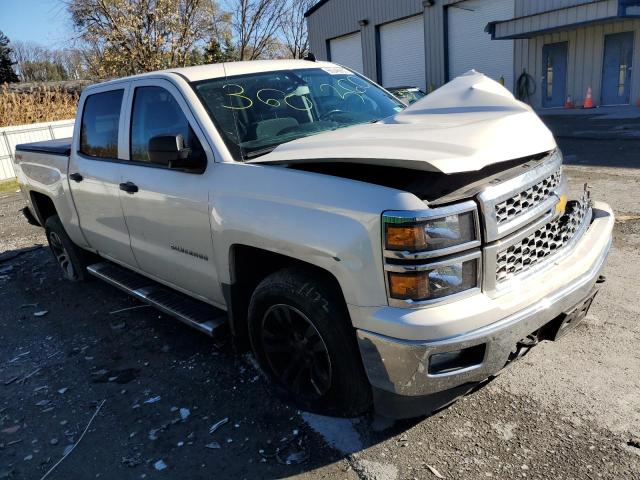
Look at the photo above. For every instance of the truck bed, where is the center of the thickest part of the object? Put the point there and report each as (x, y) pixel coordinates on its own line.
(61, 146)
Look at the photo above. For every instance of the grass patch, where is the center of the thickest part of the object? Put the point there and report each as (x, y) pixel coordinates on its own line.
(9, 185)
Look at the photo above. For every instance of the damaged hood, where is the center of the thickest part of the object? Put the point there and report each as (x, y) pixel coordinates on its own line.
(465, 125)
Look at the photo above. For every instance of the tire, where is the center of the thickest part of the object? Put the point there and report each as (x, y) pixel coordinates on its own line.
(302, 338)
(72, 259)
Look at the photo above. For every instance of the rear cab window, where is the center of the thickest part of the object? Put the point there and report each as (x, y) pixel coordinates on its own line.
(99, 128)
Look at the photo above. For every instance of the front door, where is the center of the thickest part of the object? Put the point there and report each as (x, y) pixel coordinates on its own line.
(168, 214)
(616, 71)
(94, 174)
(554, 74)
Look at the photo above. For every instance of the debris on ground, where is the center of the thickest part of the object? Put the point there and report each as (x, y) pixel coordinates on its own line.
(26, 377)
(117, 325)
(184, 413)
(435, 471)
(70, 448)
(153, 399)
(18, 357)
(41, 313)
(218, 424)
(213, 445)
(12, 429)
(133, 461)
(293, 450)
(160, 465)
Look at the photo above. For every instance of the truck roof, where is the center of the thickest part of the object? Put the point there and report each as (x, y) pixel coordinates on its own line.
(228, 69)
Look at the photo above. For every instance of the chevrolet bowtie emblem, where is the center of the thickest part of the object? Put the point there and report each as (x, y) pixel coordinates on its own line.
(561, 206)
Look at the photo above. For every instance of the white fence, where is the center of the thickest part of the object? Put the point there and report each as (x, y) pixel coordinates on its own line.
(36, 132)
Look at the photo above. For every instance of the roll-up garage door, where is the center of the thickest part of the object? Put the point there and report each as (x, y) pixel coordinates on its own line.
(471, 47)
(402, 58)
(347, 51)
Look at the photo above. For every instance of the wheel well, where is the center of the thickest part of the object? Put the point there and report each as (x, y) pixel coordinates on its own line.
(249, 266)
(43, 206)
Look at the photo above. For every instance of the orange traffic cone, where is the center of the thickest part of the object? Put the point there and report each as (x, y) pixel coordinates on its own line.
(588, 100)
(569, 102)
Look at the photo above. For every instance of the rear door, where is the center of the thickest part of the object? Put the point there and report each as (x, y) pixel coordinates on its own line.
(168, 214)
(94, 172)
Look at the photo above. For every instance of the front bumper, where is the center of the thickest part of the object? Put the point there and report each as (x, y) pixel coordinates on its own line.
(399, 367)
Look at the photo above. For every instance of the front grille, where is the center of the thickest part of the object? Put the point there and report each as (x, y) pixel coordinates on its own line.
(523, 201)
(542, 243)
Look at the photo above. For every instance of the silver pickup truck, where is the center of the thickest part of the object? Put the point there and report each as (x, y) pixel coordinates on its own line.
(367, 253)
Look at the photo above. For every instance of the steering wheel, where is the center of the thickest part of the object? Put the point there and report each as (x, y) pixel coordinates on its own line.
(325, 115)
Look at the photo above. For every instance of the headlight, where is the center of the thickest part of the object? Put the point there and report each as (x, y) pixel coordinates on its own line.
(418, 283)
(452, 228)
(431, 254)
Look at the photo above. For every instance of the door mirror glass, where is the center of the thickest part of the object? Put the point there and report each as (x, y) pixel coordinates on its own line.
(165, 149)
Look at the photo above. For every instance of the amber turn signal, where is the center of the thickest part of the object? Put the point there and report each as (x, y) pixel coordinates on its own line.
(406, 237)
(406, 286)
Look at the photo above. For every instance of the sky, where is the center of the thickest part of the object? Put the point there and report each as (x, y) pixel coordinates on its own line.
(41, 21)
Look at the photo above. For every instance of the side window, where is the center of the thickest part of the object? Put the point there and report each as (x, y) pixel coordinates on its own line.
(99, 128)
(156, 113)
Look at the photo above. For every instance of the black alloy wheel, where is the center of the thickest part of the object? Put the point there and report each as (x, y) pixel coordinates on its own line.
(295, 351)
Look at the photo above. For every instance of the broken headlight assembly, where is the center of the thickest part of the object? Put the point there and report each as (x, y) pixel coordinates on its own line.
(431, 255)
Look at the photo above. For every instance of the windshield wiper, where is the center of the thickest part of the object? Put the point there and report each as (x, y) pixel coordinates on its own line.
(260, 152)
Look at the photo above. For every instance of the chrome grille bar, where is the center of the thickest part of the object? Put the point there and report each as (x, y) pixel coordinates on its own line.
(519, 201)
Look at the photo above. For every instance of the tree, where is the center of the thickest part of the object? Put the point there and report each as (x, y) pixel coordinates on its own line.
(125, 37)
(220, 47)
(255, 24)
(7, 74)
(36, 63)
(293, 27)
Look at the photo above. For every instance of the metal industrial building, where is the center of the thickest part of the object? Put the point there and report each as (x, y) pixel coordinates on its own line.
(545, 50)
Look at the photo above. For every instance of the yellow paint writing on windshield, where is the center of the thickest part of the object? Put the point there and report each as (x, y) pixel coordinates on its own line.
(239, 95)
(345, 86)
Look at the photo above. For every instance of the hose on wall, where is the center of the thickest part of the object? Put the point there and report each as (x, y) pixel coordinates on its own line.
(526, 87)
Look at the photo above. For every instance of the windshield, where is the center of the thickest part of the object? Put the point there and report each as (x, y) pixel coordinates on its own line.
(257, 112)
(408, 95)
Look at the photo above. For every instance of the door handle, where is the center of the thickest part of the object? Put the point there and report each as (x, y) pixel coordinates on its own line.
(76, 177)
(129, 187)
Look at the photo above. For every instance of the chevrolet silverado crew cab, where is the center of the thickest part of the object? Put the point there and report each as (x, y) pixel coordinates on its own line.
(368, 253)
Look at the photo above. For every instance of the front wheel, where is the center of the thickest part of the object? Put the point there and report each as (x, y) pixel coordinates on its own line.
(303, 340)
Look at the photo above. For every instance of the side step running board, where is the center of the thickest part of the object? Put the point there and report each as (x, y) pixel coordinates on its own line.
(194, 313)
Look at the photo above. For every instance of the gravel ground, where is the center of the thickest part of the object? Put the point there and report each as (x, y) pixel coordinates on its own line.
(568, 410)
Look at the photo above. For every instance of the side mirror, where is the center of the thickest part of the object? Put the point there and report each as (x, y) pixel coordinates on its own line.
(165, 149)
(169, 150)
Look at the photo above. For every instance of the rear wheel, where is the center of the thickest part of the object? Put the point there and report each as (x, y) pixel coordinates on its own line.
(72, 259)
(302, 338)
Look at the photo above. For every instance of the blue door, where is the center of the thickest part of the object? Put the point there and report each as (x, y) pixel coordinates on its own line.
(554, 74)
(616, 71)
